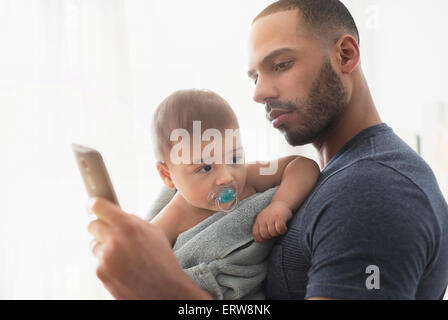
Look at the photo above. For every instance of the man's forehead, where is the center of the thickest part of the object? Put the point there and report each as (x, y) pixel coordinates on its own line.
(277, 30)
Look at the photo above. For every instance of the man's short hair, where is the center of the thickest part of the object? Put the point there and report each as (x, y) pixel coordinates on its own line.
(328, 19)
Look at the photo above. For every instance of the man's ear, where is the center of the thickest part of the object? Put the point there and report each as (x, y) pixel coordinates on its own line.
(164, 173)
(348, 54)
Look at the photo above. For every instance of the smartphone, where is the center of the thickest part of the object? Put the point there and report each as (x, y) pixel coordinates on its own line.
(94, 173)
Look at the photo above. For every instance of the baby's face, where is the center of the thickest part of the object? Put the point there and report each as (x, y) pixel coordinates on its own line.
(196, 179)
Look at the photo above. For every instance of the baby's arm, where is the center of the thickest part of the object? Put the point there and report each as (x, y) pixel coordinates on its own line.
(296, 177)
(168, 220)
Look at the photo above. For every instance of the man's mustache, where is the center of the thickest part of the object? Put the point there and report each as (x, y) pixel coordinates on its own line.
(276, 104)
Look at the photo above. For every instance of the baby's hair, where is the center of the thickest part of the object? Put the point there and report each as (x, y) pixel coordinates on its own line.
(181, 108)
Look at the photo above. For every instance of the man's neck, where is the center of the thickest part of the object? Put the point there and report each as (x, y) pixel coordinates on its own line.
(360, 114)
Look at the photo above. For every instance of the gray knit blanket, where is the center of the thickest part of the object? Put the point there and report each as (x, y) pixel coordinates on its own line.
(219, 253)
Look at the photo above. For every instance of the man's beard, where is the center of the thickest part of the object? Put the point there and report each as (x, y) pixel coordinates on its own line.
(325, 103)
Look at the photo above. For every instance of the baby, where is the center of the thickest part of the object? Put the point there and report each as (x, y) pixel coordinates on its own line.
(208, 170)
(195, 180)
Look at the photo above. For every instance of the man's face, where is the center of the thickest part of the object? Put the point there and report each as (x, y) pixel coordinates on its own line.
(294, 78)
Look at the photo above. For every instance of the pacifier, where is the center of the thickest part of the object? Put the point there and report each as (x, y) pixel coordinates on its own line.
(224, 197)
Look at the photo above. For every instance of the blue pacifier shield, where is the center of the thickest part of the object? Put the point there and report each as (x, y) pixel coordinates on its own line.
(226, 196)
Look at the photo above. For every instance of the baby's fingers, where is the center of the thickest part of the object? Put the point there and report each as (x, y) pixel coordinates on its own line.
(280, 227)
(260, 232)
(272, 228)
(256, 232)
(264, 232)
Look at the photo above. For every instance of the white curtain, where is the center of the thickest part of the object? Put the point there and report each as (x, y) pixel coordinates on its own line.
(65, 78)
(92, 72)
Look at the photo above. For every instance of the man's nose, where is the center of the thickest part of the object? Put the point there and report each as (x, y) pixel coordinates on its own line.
(224, 175)
(264, 90)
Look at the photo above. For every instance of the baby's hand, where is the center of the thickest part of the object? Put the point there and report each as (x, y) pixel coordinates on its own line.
(271, 221)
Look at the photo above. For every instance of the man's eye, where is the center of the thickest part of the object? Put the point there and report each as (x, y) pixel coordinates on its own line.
(205, 169)
(237, 159)
(282, 66)
(255, 80)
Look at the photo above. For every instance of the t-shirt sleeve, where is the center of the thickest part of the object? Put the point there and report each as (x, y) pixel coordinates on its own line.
(372, 236)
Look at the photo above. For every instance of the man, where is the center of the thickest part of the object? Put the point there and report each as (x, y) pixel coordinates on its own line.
(374, 226)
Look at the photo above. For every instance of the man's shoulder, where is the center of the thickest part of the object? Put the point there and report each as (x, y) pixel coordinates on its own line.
(383, 161)
(365, 175)
(369, 188)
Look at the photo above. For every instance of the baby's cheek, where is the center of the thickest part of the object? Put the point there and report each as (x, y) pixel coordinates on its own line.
(198, 197)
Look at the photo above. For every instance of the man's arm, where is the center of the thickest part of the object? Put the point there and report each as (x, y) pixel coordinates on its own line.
(136, 260)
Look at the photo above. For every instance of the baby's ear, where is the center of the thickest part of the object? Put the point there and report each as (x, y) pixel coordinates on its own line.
(164, 173)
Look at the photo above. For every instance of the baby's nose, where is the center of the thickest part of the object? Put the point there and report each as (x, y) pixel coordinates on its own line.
(224, 176)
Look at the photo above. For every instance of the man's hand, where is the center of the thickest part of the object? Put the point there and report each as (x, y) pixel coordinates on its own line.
(271, 221)
(136, 260)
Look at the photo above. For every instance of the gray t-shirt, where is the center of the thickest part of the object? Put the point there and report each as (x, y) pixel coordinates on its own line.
(375, 227)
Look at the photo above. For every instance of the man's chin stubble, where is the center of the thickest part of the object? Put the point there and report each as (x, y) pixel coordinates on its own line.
(300, 138)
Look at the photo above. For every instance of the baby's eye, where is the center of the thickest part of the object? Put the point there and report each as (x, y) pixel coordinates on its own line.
(205, 168)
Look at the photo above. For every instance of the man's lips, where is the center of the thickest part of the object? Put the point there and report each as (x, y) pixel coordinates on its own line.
(278, 117)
